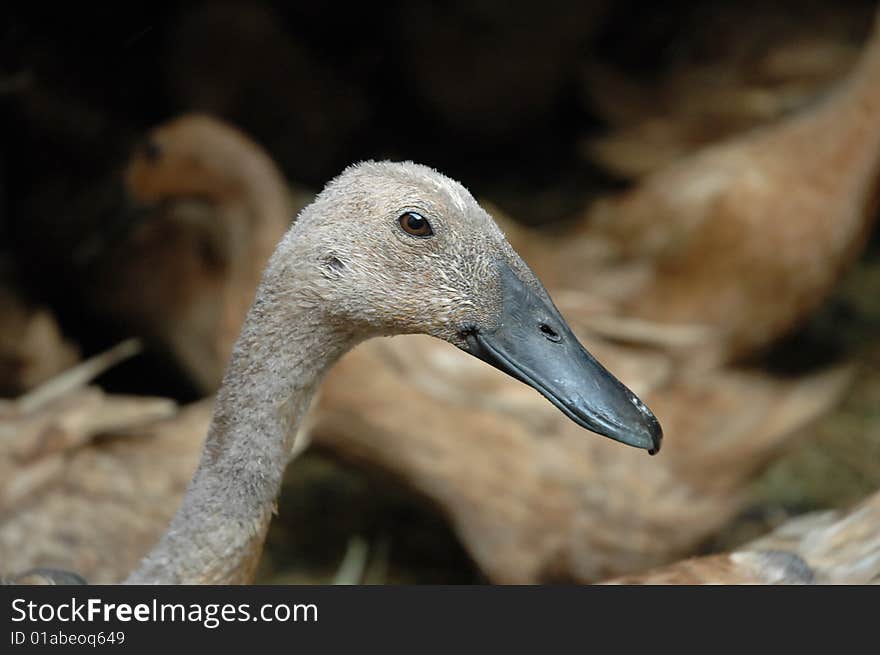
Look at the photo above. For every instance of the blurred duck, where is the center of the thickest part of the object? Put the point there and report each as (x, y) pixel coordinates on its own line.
(726, 250)
(88, 480)
(732, 68)
(212, 206)
(828, 547)
(741, 264)
(533, 502)
(168, 246)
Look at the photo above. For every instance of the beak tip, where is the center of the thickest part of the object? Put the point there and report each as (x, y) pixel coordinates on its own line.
(643, 432)
(655, 434)
(656, 438)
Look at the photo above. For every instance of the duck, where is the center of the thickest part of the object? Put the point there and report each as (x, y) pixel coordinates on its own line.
(96, 506)
(88, 478)
(724, 251)
(209, 205)
(731, 69)
(385, 249)
(840, 546)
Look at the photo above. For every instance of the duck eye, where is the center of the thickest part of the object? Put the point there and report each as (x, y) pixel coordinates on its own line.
(415, 224)
(152, 150)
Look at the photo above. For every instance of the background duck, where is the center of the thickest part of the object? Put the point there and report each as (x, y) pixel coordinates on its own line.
(91, 479)
(578, 510)
(212, 205)
(829, 547)
(166, 242)
(731, 69)
(729, 248)
(725, 424)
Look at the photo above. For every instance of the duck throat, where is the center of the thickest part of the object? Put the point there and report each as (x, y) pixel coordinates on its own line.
(282, 353)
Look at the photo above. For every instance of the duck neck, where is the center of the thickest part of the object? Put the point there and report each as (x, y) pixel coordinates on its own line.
(844, 131)
(284, 349)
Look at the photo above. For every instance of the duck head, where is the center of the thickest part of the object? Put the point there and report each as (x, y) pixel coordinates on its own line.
(398, 248)
(206, 207)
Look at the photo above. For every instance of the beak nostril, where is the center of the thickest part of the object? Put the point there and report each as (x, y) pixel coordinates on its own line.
(550, 333)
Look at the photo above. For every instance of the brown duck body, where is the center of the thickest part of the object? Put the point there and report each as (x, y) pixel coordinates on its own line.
(742, 240)
(88, 478)
(98, 506)
(733, 70)
(829, 547)
(716, 256)
(529, 498)
(762, 567)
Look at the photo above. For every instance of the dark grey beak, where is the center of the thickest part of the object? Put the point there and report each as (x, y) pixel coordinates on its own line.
(533, 343)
